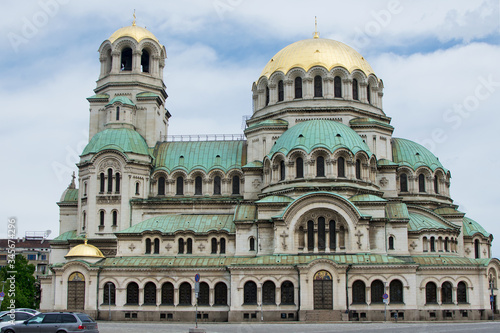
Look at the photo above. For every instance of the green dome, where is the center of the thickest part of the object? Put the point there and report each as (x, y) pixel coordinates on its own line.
(312, 134)
(122, 139)
(409, 153)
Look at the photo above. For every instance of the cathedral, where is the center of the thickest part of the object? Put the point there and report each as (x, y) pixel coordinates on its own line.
(314, 213)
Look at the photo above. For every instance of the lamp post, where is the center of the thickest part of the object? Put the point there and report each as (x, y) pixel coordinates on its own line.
(108, 284)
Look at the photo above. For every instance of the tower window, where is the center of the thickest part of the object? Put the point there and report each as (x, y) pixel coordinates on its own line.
(340, 167)
(217, 182)
(214, 245)
(236, 185)
(157, 246)
(252, 244)
(355, 95)
(320, 166)
(433, 244)
(222, 245)
(298, 87)
(477, 249)
(198, 186)
(180, 186)
(102, 180)
(117, 182)
(126, 61)
(368, 94)
(281, 91)
(403, 182)
(299, 169)
(145, 61)
(110, 180)
(282, 170)
(267, 96)
(436, 185)
(101, 218)
(181, 246)
(117, 113)
(115, 218)
(148, 245)
(391, 243)
(358, 169)
(161, 186)
(189, 247)
(137, 188)
(318, 86)
(337, 84)
(421, 183)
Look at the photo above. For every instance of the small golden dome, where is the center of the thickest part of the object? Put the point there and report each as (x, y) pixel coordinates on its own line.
(85, 250)
(317, 51)
(133, 31)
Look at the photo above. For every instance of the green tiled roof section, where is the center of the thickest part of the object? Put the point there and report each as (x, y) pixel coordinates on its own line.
(121, 99)
(245, 213)
(204, 155)
(413, 155)
(383, 162)
(366, 198)
(471, 227)
(421, 222)
(99, 96)
(312, 134)
(269, 123)
(275, 198)
(122, 139)
(66, 236)
(254, 164)
(447, 211)
(396, 211)
(171, 262)
(71, 195)
(449, 261)
(368, 121)
(169, 224)
(146, 94)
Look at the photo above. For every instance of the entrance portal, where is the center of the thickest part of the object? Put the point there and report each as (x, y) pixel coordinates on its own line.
(323, 291)
(76, 291)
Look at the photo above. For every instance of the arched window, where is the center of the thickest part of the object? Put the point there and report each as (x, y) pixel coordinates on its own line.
(132, 293)
(268, 293)
(310, 235)
(85, 189)
(110, 180)
(287, 293)
(167, 294)
(281, 91)
(220, 294)
(214, 245)
(341, 167)
(185, 294)
(446, 247)
(198, 186)
(320, 166)
(430, 293)
(102, 180)
(396, 291)
(109, 294)
(477, 249)
(126, 61)
(421, 183)
(391, 243)
(148, 245)
(157, 246)
(403, 182)
(251, 244)
(321, 233)
(150, 294)
(181, 246)
(358, 292)
(179, 190)
(236, 185)
(299, 169)
(145, 61)
(267, 95)
(462, 292)
(298, 87)
(425, 244)
(115, 218)
(250, 293)
(337, 84)
(217, 182)
(446, 293)
(203, 295)
(318, 86)
(377, 290)
(358, 169)
(433, 244)
(333, 241)
(84, 218)
(161, 186)
(222, 245)
(355, 95)
(368, 94)
(137, 188)
(117, 113)
(436, 185)
(189, 247)
(101, 218)
(282, 170)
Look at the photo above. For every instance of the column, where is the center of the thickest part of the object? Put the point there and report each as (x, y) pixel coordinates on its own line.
(288, 86)
(327, 238)
(347, 89)
(315, 239)
(136, 61)
(307, 88)
(115, 64)
(273, 93)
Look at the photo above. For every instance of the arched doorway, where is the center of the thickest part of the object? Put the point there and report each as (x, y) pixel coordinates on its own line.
(323, 291)
(76, 291)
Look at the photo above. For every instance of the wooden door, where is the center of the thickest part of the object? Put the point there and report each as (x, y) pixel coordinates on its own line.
(76, 292)
(323, 291)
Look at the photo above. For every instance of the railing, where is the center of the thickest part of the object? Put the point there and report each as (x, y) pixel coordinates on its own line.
(203, 137)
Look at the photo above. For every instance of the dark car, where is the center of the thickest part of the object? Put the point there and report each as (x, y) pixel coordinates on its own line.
(55, 322)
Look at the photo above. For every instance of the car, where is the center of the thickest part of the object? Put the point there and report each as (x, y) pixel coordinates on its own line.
(55, 322)
(14, 317)
(34, 312)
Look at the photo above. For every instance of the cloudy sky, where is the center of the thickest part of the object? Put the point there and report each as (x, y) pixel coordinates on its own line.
(439, 61)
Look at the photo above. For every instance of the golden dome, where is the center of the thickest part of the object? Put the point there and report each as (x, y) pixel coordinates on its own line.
(134, 31)
(316, 51)
(85, 250)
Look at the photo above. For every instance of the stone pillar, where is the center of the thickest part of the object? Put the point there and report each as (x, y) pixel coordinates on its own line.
(115, 65)
(273, 93)
(347, 89)
(307, 88)
(328, 88)
(288, 87)
(136, 61)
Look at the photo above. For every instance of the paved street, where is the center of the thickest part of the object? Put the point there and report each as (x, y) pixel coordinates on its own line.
(139, 327)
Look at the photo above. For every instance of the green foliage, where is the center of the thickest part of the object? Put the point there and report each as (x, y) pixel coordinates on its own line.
(20, 286)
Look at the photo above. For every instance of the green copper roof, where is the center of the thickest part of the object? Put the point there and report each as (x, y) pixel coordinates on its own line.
(449, 261)
(66, 236)
(245, 213)
(369, 121)
(384, 162)
(254, 164)
(121, 99)
(275, 198)
(203, 155)
(98, 96)
(366, 198)
(268, 123)
(146, 94)
(169, 224)
(312, 134)
(121, 139)
(396, 211)
(421, 222)
(413, 155)
(447, 211)
(471, 228)
(71, 195)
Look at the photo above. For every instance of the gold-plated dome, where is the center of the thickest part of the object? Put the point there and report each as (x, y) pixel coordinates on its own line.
(134, 31)
(85, 250)
(316, 51)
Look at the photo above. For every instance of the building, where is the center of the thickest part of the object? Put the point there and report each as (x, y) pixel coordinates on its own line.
(34, 246)
(316, 213)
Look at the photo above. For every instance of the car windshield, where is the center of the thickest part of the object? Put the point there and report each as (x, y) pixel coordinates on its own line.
(84, 318)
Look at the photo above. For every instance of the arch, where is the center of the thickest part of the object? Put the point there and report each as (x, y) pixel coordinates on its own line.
(109, 293)
(251, 243)
(157, 246)
(161, 185)
(150, 294)
(145, 60)
(115, 218)
(320, 166)
(281, 91)
(220, 297)
(236, 185)
(318, 86)
(198, 185)
(179, 185)
(185, 294)
(299, 168)
(181, 246)
(396, 291)
(403, 182)
(337, 86)
(189, 246)
(148, 246)
(323, 290)
(126, 59)
(250, 293)
(217, 185)
(477, 249)
(287, 293)
(214, 245)
(222, 245)
(377, 290)
(358, 292)
(446, 293)
(341, 167)
(167, 294)
(76, 291)
(462, 292)
(421, 183)
(430, 293)
(391, 242)
(355, 87)
(358, 168)
(204, 294)
(298, 87)
(132, 294)
(269, 293)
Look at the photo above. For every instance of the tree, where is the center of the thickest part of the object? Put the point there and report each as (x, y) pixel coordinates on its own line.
(19, 284)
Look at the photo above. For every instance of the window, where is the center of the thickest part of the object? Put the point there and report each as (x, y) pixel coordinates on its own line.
(161, 186)
(222, 245)
(115, 218)
(185, 294)
(358, 169)
(391, 243)
(250, 293)
(181, 246)
(203, 295)
(117, 181)
(298, 87)
(117, 113)
(355, 95)
(189, 247)
(462, 292)
(217, 182)
(84, 220)
(320, 166)
(446, 247)
(337, 86)
(433, 244)
(310, 235)
(132, 293)
(214, 245)
(282, 170)
(267, 96)
(137, 188)
(198, 189)
(318, 86)
(281, 91)
(341, 167)
(436, 185)
(477, 249)
(321, 233)
(145, 61)
(358, 292)
(368, 94)
(126, 60)
(430, 293)
(110, 180)
(150, 294)
(425, 244)
(299, 170)
(268, 293)
(148, 245)
(180, 186)
(333, 241)
(167, 293)
(101, 218)
(252, 244)
(236, 185)
(377, 291)
(220, 294)
(85, 189)
(102, 180)
(31, 256)
(446, 293)
(396, 291)
(287, 293)
(421, 183)
(157, 246)
(403, 182)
